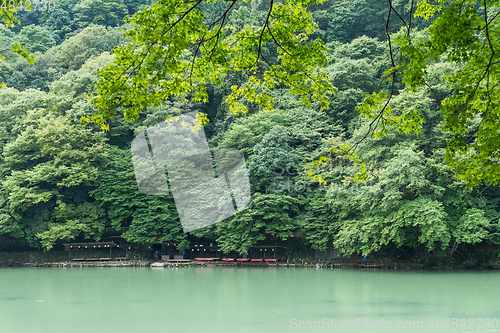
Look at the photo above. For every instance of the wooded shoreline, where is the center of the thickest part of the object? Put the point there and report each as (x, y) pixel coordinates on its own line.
(406, 191)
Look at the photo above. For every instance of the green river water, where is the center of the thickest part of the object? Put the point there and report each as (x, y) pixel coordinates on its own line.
(220, 299)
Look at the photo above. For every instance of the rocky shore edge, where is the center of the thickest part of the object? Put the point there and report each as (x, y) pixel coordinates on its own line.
(157, 264)
(85, 264)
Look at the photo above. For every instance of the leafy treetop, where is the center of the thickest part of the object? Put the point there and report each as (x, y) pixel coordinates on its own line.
(185, 52)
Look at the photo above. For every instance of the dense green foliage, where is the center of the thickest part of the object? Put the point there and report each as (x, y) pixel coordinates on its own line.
(63, 180)
(466, 34)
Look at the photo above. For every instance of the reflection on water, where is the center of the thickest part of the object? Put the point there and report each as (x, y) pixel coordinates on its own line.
(226, 299)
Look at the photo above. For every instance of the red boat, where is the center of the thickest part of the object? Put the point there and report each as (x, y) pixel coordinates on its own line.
(227, 259)
(241, 259)
(257, 260)
(273, 260)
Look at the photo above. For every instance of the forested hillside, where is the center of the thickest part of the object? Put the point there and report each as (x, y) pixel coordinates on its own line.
(63, 180)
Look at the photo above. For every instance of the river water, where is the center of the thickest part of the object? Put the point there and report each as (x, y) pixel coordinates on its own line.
(239, 300)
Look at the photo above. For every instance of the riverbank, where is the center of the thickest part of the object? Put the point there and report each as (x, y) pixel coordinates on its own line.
(326, 265)
(89, 264)
(353, 265)
(59, 259)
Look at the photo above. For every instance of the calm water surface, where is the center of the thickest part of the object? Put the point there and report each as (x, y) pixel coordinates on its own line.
(245, 300)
